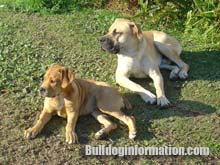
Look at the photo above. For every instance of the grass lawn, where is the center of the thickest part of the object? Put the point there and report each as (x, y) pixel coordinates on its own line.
(31, 42)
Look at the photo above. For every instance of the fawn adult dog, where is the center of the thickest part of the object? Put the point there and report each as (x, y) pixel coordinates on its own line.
(141, 54)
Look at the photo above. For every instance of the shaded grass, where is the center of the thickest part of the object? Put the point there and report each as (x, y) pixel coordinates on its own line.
(31, 42)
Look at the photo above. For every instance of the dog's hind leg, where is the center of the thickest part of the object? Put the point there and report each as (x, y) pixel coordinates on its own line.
(128, 120)
(173, 68)
(108, 125)
(173, 55)
(110, 102)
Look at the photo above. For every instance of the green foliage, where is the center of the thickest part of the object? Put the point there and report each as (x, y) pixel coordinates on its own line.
(198, 16)
(160, 8)
(205, 17)
(54, 6)
(79, 4)
(25, 5)
(57, 6)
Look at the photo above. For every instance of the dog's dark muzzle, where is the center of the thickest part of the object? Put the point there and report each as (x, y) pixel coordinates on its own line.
(108, 45)
(42, 91)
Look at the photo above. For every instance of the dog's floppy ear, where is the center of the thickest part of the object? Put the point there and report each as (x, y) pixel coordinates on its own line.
(67, 77)
(136, 30)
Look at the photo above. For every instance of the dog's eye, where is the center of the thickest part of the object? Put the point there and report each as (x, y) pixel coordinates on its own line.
(52, 81)
(116, 33)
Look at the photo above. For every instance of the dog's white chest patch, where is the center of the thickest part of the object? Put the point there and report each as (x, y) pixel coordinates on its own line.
(134, 67)
(137, 70)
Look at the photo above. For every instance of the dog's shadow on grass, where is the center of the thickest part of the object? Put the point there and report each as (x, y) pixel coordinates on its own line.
(203, 66)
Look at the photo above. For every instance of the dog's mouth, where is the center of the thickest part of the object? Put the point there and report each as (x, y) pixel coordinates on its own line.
(107, 44)
(47, 94)
(113, 49)
(50, 96)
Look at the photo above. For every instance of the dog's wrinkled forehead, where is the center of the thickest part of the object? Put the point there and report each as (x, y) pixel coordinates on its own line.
(53, 71)
(121, 25)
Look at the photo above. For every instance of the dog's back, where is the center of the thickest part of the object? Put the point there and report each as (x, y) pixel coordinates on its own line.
(104, 95)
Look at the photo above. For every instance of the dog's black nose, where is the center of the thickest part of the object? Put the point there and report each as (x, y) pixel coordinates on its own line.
(102, 39)
(42, 90)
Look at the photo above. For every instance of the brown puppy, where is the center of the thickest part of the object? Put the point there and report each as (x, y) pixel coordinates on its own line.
(70, 98)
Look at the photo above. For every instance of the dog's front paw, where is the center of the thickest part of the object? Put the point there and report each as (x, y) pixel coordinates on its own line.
(149, 98)
(100, 134)
(30, 133)
(163, 101)
(132, 135)
(71, 137)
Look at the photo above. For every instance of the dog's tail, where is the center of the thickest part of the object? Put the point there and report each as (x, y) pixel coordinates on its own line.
(127, 103)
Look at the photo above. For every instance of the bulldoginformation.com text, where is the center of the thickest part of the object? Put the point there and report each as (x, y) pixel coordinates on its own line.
(135, 150)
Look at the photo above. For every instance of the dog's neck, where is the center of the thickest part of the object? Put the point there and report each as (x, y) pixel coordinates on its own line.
(73, 90)
(68, 91)
(133, 50)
